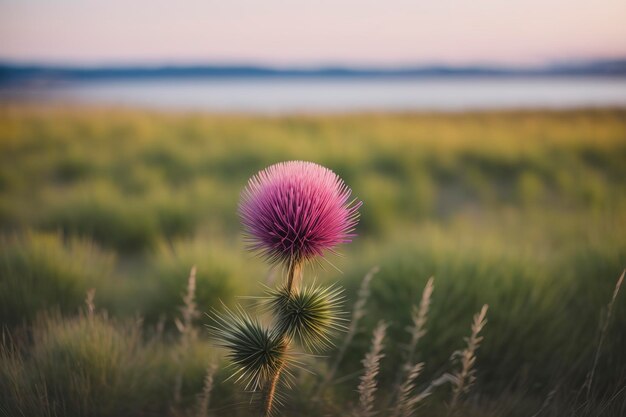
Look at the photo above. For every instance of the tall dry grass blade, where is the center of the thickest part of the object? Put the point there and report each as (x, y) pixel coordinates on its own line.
(406, 402)
(603, 331)
(358, 313)
(186, 328)
(189, 311)
(89, 302)
(419, 317)
(204, 397)
(371, 367)
(435, 383)
(417, 330)
(463, 380)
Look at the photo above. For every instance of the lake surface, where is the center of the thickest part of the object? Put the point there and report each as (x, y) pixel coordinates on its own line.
(333, 95)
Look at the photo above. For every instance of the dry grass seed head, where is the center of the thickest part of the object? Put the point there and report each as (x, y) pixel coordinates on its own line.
(371, 367)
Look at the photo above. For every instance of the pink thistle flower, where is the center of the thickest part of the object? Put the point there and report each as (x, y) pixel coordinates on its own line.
(294, 211)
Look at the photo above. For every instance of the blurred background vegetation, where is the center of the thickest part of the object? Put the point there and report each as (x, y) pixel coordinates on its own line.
(524, 211)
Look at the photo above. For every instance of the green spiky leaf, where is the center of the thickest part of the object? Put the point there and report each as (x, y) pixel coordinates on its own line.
(256, 353)
(310, 315)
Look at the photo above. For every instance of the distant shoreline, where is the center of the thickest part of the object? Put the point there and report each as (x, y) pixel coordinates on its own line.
(14, 73)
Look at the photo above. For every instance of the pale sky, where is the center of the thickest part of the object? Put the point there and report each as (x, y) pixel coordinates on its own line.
(311, 32)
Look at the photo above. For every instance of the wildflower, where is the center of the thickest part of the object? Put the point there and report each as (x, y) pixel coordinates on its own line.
(292, 212)
(295, 211)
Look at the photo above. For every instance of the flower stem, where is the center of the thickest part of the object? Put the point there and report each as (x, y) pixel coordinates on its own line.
(271, 391)
(293, 277)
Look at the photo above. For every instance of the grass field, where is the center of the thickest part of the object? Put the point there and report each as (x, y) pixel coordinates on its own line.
(523, 211)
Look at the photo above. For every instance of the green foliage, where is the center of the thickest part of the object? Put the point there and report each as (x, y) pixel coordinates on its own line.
(524, 211)
(128, 179)
(542, 308)
(90, 365)
(220, 272)
(82, 366)
(42, 271)
(126, 222)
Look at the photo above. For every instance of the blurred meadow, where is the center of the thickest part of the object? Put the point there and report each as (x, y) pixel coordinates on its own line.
(522, 210)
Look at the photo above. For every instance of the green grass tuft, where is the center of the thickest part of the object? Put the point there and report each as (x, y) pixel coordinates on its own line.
(44, 271)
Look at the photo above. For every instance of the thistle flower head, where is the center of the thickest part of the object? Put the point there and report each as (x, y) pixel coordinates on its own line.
(311, 315)
(294, 211)
(256, 353)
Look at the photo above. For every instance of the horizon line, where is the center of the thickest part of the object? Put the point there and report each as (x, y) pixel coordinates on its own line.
(329, 64)
(18, 74)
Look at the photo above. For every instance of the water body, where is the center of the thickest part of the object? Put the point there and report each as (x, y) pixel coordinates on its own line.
(276, 96)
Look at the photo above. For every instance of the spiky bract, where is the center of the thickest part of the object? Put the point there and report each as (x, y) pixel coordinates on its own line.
(256, 353)
(310, 314)
(294, 211)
